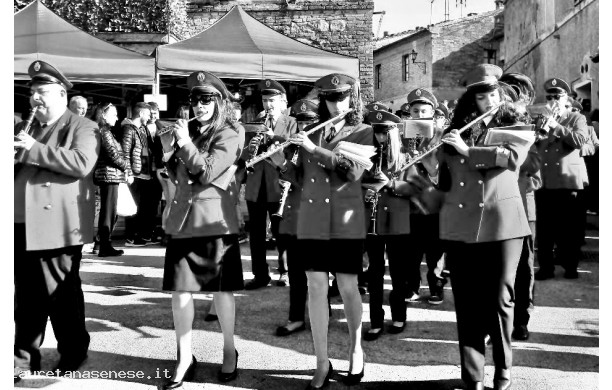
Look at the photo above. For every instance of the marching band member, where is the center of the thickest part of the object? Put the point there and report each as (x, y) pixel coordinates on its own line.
(484, 224)
(389, 212)
(306, 113)
(203, 252)
(54, 217)
(530, 180)
(262, 190)
(331, 228)
(562, 176)
(425, 238)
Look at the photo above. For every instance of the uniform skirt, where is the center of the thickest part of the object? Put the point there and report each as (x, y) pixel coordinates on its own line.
(343, 256)
(203, 264)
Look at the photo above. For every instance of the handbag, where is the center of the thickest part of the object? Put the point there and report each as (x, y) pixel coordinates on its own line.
(126, 206)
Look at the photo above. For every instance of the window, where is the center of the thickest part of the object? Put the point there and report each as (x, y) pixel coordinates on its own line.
(490, 56)
(377, 79)
(406, 67)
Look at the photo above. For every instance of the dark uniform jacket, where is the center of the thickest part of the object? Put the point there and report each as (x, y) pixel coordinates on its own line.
(393, 210)
(331, 204)
(529, 181)
(562, 167)
(264, 173)
(204, 205)
(58, 177)
(483, 202)
(111, 165)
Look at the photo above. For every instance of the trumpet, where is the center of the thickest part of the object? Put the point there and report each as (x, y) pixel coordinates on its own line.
(168, 128)
(283, 145)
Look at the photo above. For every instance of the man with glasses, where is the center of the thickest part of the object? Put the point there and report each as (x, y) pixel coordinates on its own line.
(54, 217)
(263, 190)
(557, 202)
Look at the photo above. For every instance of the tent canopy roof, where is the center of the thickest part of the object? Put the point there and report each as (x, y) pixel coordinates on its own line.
(40, 34)
(238, 46)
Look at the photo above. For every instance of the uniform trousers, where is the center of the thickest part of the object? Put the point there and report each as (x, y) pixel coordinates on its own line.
(47, 285)
(483, 276)
(298, 283)
(395, 246)
(558, 215)
(424, 233)
(147, 194)
(258, 212)
(108, 212)
(525, 282)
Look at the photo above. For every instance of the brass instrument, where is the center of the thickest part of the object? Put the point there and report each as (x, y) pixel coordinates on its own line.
(286, 187)
(283, 145)
(541, 121)
(26, 129)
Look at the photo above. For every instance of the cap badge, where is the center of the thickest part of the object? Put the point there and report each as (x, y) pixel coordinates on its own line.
(303, 107)
(36, 66)
(268, 83)
(335, 80)
(418, 92)
(376, 106)
(554, 82)
(201, 77)
(379, 116)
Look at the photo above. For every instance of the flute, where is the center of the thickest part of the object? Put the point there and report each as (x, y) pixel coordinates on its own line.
(283, 145)
(168, 128)
(436, 146)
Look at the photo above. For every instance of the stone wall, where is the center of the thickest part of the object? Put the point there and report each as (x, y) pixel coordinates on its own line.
(555, 40)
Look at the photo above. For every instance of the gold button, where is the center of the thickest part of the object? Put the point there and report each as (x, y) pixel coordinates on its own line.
(462, 184)
(462, 161)
(312, 180)
(48, 207)
(545, 150)
(288, 206)
(480, 204)
(326, 200)
(385, 208)
(545, 164)
(308, 160)
(556, 150)
(47, 184)
(174, 201)
(557, 163)
(189, 182)
(310, 200)
(479, 181)
(189, 201)
(460, 205)
(176, 182)
(327, 179)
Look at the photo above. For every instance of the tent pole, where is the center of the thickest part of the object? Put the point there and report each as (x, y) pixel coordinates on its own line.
(155, 86)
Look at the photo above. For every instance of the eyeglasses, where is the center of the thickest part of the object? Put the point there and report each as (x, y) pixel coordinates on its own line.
(556, 97)
(204, 99)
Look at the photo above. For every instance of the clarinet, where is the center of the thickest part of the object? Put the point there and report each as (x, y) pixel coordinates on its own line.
(374, 200)
(26, 129)
(286, 185)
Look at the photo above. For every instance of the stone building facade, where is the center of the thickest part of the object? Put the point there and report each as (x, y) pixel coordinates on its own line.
(339, 26)
(445, 52)
(555, 38)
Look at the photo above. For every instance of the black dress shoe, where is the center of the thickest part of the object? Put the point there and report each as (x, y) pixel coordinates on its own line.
(520, 332)
(393, 329)
(502, 384)
(256, 283)
(371, 336)
(353, 379)
(570, 274)
(109, 252)
(543, 275)
(286, 331)
(330, 372)
(189, 374)
(229, 376)
(474, 386)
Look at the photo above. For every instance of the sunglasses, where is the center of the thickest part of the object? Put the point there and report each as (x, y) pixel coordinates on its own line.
(556, 97)
(204, 99)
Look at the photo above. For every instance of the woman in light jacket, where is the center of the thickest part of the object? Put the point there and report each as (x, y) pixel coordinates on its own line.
(203, 252)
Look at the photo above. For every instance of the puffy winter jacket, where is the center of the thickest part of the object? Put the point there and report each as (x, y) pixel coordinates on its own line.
(111, 165)
(132, 143)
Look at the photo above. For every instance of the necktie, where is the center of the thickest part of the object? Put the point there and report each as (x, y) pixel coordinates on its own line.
(332, 134)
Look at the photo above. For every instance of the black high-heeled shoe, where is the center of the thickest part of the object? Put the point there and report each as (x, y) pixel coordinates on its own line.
(330, 372)
(229, 376)
(189, 374)
(353, 379)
